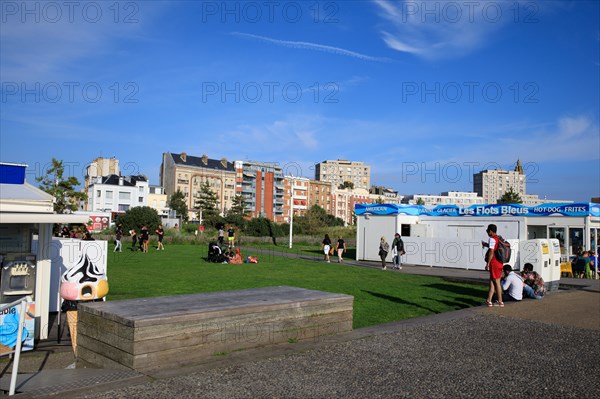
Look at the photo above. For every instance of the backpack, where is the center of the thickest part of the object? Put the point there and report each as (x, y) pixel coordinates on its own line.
(503, 251)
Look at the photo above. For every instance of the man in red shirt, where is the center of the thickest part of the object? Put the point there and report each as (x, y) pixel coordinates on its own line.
(494, 266)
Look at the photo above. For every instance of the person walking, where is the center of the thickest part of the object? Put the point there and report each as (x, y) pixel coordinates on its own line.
(341, 248)
(494, 266)
(221, 237)
(326, 245)
(398, 247)
(133, 235)
(384, 248)
(160, 232)
(118, 237)
(144, 239)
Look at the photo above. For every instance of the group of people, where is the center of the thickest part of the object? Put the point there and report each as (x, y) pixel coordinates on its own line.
(397, 252)
(328, 248)
(140, 243)
(81, 233)
(584, 264)
(505, 284)
(230, 236)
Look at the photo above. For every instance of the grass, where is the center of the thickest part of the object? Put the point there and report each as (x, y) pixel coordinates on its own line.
(379, 297)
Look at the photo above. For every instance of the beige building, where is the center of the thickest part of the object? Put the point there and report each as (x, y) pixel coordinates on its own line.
(157, 199)
(492, 184)
(99, 167)
(340, 171)
(187, 173)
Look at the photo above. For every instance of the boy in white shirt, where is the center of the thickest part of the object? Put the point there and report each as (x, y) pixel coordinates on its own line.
(512, 285)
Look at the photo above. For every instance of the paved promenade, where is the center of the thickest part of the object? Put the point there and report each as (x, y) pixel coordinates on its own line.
(548, 348)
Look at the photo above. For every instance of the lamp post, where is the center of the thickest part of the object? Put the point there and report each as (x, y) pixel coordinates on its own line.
(291, 209)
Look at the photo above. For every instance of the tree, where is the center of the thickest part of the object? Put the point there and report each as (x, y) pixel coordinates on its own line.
(346, 184)
(379, 200)
(510, 197)
(237, 208)
(140, 216)
(178, 204)
(208, 202)
(66, 199)
(420, 201)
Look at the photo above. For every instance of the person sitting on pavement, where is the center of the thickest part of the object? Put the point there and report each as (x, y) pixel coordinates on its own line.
(512, 285)
(533, 283)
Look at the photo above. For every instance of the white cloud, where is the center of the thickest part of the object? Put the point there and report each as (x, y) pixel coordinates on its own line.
(311, 46)
(440, 29)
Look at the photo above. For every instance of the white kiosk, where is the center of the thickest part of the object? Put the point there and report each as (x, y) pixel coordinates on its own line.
(450, 236)
(26, 211)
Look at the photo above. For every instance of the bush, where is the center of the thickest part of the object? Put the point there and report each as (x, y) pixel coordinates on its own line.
(140, 216)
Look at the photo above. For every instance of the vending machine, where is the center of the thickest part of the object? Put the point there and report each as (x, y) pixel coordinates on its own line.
(555, 256)
(537, 252)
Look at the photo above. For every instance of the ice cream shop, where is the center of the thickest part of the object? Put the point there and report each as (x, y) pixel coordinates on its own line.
(450, 236)
(32, 261)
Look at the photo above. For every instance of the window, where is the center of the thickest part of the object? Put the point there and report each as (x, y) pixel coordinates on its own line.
(140, 199)
(98, 193)
(124, 195)
(123, 207)
(141, 189)
(109, 195)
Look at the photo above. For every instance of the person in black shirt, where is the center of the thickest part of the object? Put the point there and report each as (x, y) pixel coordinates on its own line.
(326, 245)
(341, 248)
(160, 232)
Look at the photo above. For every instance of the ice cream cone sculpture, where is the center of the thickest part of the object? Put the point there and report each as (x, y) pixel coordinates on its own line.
(82, 282)
(72, 322)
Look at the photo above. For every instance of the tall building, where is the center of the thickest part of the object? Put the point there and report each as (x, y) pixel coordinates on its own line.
(492, 184)
(99, 167)
(340, 171)
(320, 193)
(261, 184)
(295, 188)
(187, 173)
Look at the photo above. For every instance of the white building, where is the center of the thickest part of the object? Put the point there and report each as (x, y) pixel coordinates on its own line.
(459, 198)
(117, 193)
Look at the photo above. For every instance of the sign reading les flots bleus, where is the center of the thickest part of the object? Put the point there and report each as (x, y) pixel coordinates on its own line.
(572, 209)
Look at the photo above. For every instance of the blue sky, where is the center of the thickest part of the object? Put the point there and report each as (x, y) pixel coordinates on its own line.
(426, 93)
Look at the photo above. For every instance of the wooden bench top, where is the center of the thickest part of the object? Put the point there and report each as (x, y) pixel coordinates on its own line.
(169, 309)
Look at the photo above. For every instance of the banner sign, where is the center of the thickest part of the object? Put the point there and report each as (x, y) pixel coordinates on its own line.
(9, 328)
(549, 209)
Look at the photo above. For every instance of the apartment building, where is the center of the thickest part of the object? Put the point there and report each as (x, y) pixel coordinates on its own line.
(261, 184)
(492, 184)
(117, 194)
(187, 173)
(320, 193)
(340, 171)
(295, 194)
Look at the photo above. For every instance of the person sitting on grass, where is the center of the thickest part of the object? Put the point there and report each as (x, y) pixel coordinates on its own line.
(533, 283)
(512, 285)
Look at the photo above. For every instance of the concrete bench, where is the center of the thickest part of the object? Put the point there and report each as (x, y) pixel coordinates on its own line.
(165, 332)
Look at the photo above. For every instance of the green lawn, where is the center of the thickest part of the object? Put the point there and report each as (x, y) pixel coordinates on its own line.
(379, 297)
